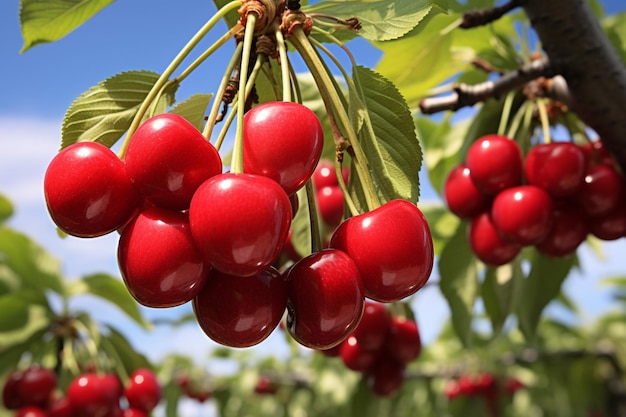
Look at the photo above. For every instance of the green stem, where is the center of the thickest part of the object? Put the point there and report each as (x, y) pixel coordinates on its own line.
(284, 64)
(517, 119)
(316, 236)
(162, 80)
(237, 160)
(344, 189)
(545, 122)
(215, 108)
(331, 97)
(506, 113)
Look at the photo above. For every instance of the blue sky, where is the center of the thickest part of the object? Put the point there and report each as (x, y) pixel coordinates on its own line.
(40, 84)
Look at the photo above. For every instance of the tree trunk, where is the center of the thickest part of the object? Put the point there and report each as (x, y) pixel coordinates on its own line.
(579, 50)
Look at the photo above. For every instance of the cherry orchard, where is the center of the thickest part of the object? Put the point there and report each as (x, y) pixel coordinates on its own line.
(193, 231)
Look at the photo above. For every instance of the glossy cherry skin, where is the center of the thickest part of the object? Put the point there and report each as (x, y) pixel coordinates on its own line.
(612, 225)
(240, 311)
(557, 167)
(158, 259)
(374, 326)
(168, 158)
(403, 341)
(37, 385)
(240, 222)
(522, 214)
(487, 244)
(495, 163)
(60, 408)
(134, 412)
(330, 205)
(143, 391)
(282, 141)
(462, 197)
(392, 247)
(569, 229)
(92, 395)
(31, 411)
(326, 176)
(601, 190)
(325, 299)
(354, 356)
(386, 376)
(87, 191)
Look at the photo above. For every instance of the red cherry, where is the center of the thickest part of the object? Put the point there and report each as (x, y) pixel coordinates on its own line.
(158, 259)
(330, 205)
(92, 395)
(241, 311)
(60, 408)
(11, 398)
(596, 153)
(264, 385)
(240, 222)
(282, 141)
(143, 391)
(569, 230)
(133, 412)
(522, 214)
(612, 225)
(386, 377)
(462, 197)
(467, 386)
(601, 190)
(355, 356)
(87, 191)
(325, 299)
(512, 385)
(37, 385)
(167, 160)
(326, 176)
(488, 245)
(452, 390)
(31, 411)
(495, 163)
(403, 341)
(374, 326)
(392, 247)
(557, 167)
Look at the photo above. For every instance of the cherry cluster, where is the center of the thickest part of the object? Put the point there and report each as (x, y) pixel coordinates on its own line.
(192, 389)
(483, 386)
(34, 393)
(380, 347)
(189, 232)
(552, 198)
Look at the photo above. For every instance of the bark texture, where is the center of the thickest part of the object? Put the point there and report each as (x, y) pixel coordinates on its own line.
(596, 76)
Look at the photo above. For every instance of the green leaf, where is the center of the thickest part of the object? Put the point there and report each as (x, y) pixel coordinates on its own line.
(194, 109)
(119, 348)
(6, 208)
(24, 258)
(21, 315)
(498, 292)
(442, 223)
(104, 112)
(381, 20)
(542, 285)
(387, 137)
(458, 269)
(50, 20)
(10, 356)
(113, 290)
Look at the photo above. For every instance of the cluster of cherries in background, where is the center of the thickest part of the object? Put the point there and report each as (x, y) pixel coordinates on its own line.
(484, 386)
(190, 232)
(552, 198)
(381, 347)
(34, 392)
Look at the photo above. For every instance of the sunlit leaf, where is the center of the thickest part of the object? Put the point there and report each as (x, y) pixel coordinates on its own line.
(459, 282)
(6, 208)
(381, 20)
(50, 20)
(194, 109)
(498, 292)
(104, 112)
(113, 290)
(387, 137)
(117, 345)
(22, 314)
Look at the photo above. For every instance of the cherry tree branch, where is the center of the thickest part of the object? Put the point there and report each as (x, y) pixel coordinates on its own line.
(482, 17)
(467, 95)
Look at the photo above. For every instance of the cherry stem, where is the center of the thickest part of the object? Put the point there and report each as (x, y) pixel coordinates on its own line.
(344, 188)
(316, 237)
(237, 159)
(331, 98)
(517, 119)
(210, 124)
(506, 113)
(545, 121)
(261, 59)
(284, 63)
(163, 78)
